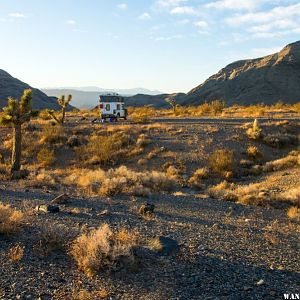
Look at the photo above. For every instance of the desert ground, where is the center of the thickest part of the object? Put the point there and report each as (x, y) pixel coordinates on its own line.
(152, 208)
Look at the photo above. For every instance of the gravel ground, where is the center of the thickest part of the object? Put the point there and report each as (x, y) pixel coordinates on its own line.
(228, 251)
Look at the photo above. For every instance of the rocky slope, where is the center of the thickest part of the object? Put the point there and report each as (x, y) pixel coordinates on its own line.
(268, 79)
(12, 87)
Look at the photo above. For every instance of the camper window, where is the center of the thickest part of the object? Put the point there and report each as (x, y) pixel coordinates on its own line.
(107, 107)
(118, 106)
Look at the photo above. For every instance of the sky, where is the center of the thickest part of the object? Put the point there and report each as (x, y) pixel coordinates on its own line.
(166, 45)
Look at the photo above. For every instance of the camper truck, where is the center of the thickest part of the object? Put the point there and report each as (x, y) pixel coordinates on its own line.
(112, 106)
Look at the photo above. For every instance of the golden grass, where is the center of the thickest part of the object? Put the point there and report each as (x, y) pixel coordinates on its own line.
(10, 219)
(121, 181)
(197, 179)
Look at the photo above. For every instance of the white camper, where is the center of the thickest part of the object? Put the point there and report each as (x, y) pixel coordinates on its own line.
(112, 106)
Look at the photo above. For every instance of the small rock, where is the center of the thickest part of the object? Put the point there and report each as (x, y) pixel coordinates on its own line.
(103, 213)
(247, 288)
(47, 208)
(147, 209)
(61, 199)
(260, 282)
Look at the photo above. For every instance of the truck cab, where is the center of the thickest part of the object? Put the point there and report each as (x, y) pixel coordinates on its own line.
(112, 106)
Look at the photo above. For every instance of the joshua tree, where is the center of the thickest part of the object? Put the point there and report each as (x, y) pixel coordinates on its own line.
(63, 103)
(172, 102)
(16, 113)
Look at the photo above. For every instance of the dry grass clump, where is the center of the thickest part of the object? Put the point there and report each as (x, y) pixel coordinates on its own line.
(53, 135)
(294, 213)
(10, 219)
(221, 162)
(46, 157)
(16, 253)
(255, 132)
(287, 162)
(102, 249)
(292, 195)
(253, 152)
(224, 191)
(143, 140)
(105, 149)
(197, 179)
(121, 181)
(53, 237)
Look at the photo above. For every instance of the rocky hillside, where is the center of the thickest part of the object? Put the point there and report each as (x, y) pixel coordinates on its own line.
(12, 87)
(268, 79)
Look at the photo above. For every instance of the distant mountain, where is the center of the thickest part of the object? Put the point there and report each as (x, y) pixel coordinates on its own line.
(266, 80)
(87, 97)
(12, 87)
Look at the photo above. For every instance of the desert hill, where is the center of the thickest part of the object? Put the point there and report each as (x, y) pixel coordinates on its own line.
(266, 80)
(13, 87)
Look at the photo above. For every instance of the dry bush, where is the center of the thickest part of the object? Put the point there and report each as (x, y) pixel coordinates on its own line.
(291, 195)
(294, 213)
(221, 162)
(105, 149)
(197, 179)
(143, 140)
(224, 191)
(280, 140)
(255, 132)
(287, 162)
(44, 115)
(121, 181)
(10, 219)
(173, 173)
(53, 135)
(253, 152)
(53, 237)
(16, 253)
(4, 171)
(46, 157)
(102, 249)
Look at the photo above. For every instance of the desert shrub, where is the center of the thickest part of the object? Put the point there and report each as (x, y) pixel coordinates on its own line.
(287, 162)
(291, 195)
(53, 135)
(53, 237)
(105, 149)
(197, 179)
(121, 181)
(255, 132)
(253, 152)
(16, 253)
(217, 106)
(10, 219)
(143, 140)
(280, 140)
(102, 249)
(173, 173)
(44, 114)
(294, 213)
(224, 191)
(46, 157)
(221, 162)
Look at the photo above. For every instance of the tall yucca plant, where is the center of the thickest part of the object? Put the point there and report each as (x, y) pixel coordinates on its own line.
(16, 113)
(63, 102)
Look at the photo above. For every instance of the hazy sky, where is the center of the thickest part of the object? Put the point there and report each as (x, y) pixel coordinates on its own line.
(170, 45)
